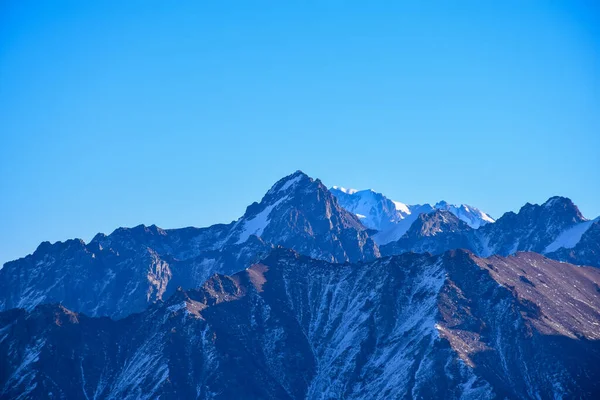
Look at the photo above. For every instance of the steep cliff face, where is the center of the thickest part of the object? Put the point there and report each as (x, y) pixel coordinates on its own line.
(422, 326)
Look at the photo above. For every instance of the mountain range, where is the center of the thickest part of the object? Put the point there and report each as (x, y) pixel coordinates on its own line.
(313, 293)
(391, 219)
(121, 273)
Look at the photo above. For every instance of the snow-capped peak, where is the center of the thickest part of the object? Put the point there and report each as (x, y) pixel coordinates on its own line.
(401, 207)
(345, 190)
(564, 205)
(373, 209)
(256, 225)
(284, 184)
(570, 237)
(553, 201)
(258, 215)
(474, 217)
(393, 218)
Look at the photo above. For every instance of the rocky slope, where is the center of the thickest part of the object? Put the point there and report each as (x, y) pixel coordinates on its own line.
(290, 327)
(435, 233)
(125, 271)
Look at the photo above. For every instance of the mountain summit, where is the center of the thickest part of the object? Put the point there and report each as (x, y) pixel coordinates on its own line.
(299, 213)
(533, 228)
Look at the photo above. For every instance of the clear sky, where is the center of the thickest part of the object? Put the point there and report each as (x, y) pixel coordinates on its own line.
(183, 113)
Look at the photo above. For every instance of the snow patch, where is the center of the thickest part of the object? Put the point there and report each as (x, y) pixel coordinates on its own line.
(257, 224)
(403, 208)
(146, 368)
(485, 250)
(25, 374)
(486, 217)
(515, 248)
(570, 237)
(176, 307)
(290, 183)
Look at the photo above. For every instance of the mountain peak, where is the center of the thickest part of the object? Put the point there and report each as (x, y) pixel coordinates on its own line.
(59, 246)
(472, 216)
(393, 218)
(535, 228)
(557, 206)
(300, 212)
(284, 184)
(556, 200)
(373, 209)
(439, 214)
(435, 222)
(560, 202)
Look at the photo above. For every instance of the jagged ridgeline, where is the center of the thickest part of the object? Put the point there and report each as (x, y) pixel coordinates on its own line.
(313, 293)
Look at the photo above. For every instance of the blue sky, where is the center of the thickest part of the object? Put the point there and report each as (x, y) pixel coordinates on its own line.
(182, 114)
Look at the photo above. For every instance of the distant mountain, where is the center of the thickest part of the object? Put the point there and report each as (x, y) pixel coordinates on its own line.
(472, 216)
(533, 228)
(450, 326)
(374, 210)
(392, 219)
(123, 272)
(434, 233)
(556, 228)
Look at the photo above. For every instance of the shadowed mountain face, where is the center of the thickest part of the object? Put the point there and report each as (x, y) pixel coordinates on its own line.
(123, 272)
(290, 327)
